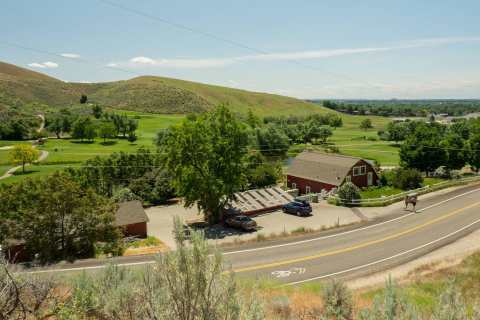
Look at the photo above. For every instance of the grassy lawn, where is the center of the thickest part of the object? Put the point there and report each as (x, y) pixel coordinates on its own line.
(32, 171)
(66, 152)
(3, 169)
(374, 192)
(4, 157)
(353, 141)
(431, 181)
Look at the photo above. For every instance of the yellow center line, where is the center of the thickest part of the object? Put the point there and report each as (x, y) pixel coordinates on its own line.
(355, 247)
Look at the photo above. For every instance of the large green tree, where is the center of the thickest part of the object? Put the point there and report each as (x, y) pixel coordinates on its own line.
(366, 124)
(206, 156)
(474, 144)
(272, 141)
(56, 217)
(106, 131)
(421, 149)
(456, 150)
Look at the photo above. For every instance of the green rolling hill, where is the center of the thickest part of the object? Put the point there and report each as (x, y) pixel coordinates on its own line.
(19, 86)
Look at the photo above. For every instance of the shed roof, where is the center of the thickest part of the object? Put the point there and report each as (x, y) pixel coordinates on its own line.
(258, 200)
(322, 167)
(130, 212)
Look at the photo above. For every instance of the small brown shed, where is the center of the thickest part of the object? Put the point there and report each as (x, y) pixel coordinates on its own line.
(132, 219)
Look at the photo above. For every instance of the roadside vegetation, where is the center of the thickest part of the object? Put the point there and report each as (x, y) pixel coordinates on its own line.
(194, 284)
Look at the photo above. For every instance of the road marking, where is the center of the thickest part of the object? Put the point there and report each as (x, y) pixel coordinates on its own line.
(384, 259)
(287, 273)
(447, 200)
(348, 232)
(357, 246)
(131, 264)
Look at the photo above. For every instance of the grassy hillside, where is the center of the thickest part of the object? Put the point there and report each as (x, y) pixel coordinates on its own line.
(147, 94)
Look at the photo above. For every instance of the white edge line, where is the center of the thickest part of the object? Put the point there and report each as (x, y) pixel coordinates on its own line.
(88, 268)
(269, 247)
(384, 259)
(351, 231)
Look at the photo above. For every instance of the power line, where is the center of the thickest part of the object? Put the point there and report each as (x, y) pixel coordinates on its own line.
(225, 40)
(77, 60)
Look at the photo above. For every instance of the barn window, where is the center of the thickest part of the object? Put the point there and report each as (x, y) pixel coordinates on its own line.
(356, 171)
(294, 185)
(363, 170)
(307, 189)
(359, 171)
(348, 179)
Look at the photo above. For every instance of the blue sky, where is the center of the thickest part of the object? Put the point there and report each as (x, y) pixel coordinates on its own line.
(306, 49)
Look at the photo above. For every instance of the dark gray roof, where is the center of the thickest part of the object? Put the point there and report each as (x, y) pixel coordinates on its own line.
(322, 167)
(130, 212)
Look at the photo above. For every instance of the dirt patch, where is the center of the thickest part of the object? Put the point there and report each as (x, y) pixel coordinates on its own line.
(146, 250)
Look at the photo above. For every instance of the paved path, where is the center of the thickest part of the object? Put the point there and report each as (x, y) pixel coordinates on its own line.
(376, 246)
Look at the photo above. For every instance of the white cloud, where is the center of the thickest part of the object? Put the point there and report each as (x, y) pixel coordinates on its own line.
(44, 65)
(36, 65)
(112, 65)
(142, 61)
(70, 55)
(50, 64)
(179, 63)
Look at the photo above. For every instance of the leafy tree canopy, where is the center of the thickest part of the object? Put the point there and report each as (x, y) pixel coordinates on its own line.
(206, 158)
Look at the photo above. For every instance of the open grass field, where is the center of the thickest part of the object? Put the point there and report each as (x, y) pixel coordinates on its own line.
(70, 153)
(65, 153)
(67, 150)
(351, 140)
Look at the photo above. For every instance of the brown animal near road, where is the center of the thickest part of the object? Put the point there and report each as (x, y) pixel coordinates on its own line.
(411, 198)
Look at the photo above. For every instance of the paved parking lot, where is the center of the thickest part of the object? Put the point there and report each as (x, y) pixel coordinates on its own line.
(323, 216)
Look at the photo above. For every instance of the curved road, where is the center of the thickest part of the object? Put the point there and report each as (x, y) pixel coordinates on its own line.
(378, 246)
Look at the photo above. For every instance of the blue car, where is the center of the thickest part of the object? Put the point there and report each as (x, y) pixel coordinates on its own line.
(300, 208)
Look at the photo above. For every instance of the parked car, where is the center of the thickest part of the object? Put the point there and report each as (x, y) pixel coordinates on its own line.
(241, 222)
(300, 208)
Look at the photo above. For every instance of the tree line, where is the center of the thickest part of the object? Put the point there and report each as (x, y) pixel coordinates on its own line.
(88, 127)
(428, 146)
(400, 108)
(15, 125)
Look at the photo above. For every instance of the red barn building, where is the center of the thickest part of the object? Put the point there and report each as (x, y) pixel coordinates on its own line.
(132, 219)
(310, 172)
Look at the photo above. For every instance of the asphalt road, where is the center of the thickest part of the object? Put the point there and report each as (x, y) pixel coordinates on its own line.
(348, 253)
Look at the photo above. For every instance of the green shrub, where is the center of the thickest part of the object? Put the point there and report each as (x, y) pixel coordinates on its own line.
(150, 241)
(338, 301)
(407, 179)
(348, 193)
(125, 195)
(401, 178)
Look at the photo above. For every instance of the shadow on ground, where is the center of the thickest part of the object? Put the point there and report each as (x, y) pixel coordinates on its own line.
(219, 231)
